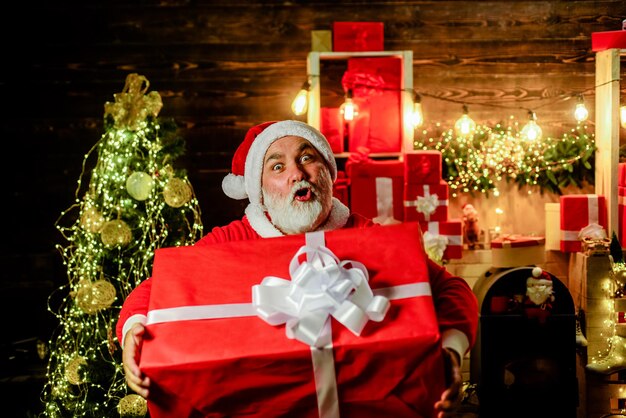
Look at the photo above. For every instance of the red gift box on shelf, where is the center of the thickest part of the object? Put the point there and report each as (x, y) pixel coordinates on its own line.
(513, 250)
(375, 84)
(621, 215)
(577, 212)
(621, 174)
(426, 202)
(376, 189)
(205, 347)
(601, 41)
(341, 188)
(451, 230)
(332, 126)
(358, 36)
(422, 167)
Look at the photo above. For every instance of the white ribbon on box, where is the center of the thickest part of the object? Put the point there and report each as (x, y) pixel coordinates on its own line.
(321, 291)
(593, 213)
(427, 204)
(384, 201)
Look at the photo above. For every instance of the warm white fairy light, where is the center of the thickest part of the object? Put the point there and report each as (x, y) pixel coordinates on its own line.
(348, 108)
(581, 113)
(300, 104)
(465, 126)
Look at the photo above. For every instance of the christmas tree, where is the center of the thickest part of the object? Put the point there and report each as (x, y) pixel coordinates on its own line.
(135, 202)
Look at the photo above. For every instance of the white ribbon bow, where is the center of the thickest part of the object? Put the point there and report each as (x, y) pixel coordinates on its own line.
(435, 245)
(593, 231)
(427, 204)
(319, 288)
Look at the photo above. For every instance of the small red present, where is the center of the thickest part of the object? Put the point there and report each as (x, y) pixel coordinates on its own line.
(332, 126)
(601, 41)
(376, 189)
(513, 250)
(452, 233)
(578, 212)
(621, 215)
(422, 167)
(206, 347)
(358, 36)
(426, 202)
(621, 174)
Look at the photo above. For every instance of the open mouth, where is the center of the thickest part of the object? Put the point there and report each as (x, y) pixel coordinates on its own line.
(302, 195)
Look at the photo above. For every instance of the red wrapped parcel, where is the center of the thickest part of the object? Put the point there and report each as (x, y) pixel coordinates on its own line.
(207, 351)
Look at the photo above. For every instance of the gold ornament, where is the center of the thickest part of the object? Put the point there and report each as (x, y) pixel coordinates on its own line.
(95, 296)
(177, 192)
(620, 277)
(139, 185)
(91, 220)
(132, 105)
(132, 406)
(72, 369)
(115, 233)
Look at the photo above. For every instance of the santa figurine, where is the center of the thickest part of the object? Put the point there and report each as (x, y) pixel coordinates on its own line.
(539, 295)
(471, 231)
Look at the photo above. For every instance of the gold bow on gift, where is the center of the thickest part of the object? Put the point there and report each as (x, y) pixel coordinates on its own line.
(132, 105)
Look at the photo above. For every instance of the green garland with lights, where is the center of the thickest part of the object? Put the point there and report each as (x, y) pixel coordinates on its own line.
(477, 162)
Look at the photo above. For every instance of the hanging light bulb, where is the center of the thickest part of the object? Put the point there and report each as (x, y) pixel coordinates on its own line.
(581, 113)
(300, 103)
(417, 117)
(464, 125)
(349, 109)
(622, 116)
(531, 131)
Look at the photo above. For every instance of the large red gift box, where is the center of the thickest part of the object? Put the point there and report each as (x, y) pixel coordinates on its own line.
(426, 202)
(332, 126)
(422, 166)
(376, 188)
(621, 174)
(601, 41)
(577, 212)
(205, 349)
(341, 188)
(358, 36)
(452, 230)
(376, 87)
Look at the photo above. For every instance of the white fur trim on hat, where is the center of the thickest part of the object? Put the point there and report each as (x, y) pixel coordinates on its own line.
(256, 154)
(234, 186)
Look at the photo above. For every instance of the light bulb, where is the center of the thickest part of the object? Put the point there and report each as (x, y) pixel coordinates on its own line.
(349, 109)
(581, 113)
(531, 131)
(300, 103)
(622, 116)
(417, 117)
(464, 125)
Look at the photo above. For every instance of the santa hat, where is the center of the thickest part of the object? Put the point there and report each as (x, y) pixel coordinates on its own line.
(539, 277)
(247, 167)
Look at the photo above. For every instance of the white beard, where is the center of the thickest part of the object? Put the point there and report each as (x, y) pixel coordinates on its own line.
(294, 217)
(539, 294)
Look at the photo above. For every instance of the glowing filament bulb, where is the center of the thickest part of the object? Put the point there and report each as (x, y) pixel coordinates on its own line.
(581, 113)
(349, 109)
(464, 125)
(531, 131)
(300, 103)
(417, 117)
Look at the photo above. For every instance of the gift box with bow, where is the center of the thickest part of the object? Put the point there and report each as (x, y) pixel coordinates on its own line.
(358, 36)
(422, 167)
(444, 239)
(514, 250)
(581, 215)
(426, 202)
(295, 326)
(376, 188)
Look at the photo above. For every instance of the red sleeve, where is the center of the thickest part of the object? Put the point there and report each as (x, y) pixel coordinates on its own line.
(455, 302)
(136, 303)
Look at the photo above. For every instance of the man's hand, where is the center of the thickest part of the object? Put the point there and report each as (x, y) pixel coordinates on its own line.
(451, 397)
(130, 359)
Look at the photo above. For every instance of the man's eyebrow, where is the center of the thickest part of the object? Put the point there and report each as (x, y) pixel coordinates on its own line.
(273, 156)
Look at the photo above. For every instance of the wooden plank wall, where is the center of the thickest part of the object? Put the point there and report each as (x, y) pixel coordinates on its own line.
(222, 66)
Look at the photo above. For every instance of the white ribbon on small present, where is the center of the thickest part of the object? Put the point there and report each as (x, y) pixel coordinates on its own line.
(435, 245)
(427, 204)
(384, 201)
(319, 288)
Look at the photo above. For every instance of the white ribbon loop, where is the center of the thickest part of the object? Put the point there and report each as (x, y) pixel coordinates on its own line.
(427, 204)
(320, 287)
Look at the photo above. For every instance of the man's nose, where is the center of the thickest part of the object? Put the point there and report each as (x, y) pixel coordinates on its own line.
(296, 173)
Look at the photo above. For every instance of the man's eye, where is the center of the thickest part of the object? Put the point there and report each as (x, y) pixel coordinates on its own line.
(277, 167)
(305, 158)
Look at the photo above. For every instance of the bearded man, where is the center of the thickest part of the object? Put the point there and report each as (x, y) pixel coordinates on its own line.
(286, 170)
